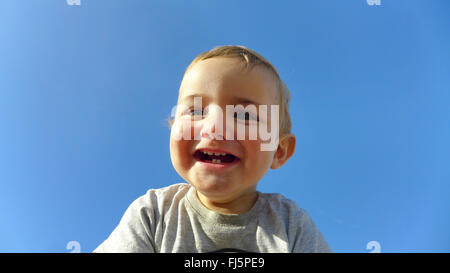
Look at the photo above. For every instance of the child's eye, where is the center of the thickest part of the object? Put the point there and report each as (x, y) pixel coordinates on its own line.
(245, 116)
(195, 112)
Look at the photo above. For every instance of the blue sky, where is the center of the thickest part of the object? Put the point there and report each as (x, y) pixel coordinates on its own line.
(85, 91)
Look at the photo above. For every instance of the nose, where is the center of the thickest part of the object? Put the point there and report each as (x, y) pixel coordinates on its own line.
(212, 127)
(209, 132)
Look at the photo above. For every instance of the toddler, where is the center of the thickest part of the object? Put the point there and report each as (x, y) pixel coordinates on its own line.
(221, 145)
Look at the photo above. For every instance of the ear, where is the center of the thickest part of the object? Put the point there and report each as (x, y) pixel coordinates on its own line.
(285, 150)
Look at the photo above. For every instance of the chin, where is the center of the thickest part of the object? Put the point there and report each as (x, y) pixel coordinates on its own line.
(213, 187)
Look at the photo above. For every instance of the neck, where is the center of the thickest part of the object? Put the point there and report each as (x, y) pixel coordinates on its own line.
(239, 205)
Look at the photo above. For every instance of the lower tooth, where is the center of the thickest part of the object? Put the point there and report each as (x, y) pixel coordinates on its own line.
(216, 161)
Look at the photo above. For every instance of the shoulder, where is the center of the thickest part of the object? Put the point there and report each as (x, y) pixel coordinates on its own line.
(303, 234)
(282, 204)
(287, 210)
(137, 227)
(149, 208)
(162, 197)
(169, 191)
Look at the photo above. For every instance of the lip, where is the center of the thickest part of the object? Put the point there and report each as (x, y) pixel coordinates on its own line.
(212, 150)
(217, 166)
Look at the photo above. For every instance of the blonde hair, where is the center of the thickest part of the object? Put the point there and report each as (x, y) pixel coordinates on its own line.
(251, 59)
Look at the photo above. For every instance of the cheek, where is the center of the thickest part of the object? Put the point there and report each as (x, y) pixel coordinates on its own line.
(182, 129)
(256, 158)
(180, 154)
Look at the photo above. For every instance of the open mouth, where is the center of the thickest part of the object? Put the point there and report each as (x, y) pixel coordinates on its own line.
(215, 157)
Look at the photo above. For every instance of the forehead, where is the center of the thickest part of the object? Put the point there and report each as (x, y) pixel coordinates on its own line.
(224, 79)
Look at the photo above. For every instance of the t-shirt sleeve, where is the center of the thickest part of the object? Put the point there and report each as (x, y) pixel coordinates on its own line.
(308, 238)
(134, 232)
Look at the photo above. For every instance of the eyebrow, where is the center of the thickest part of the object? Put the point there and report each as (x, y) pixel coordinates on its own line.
(240, 100)
(245, 101)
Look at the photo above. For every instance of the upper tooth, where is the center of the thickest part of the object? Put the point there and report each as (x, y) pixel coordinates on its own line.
(211, 153)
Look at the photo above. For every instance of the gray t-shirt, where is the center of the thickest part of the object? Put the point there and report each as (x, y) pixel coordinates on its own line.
(172, 219)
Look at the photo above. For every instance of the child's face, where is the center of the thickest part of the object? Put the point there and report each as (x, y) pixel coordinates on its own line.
(220, 81)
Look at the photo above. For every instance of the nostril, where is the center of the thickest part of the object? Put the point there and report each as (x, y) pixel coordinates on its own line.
(211, 135)
(206, 135)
